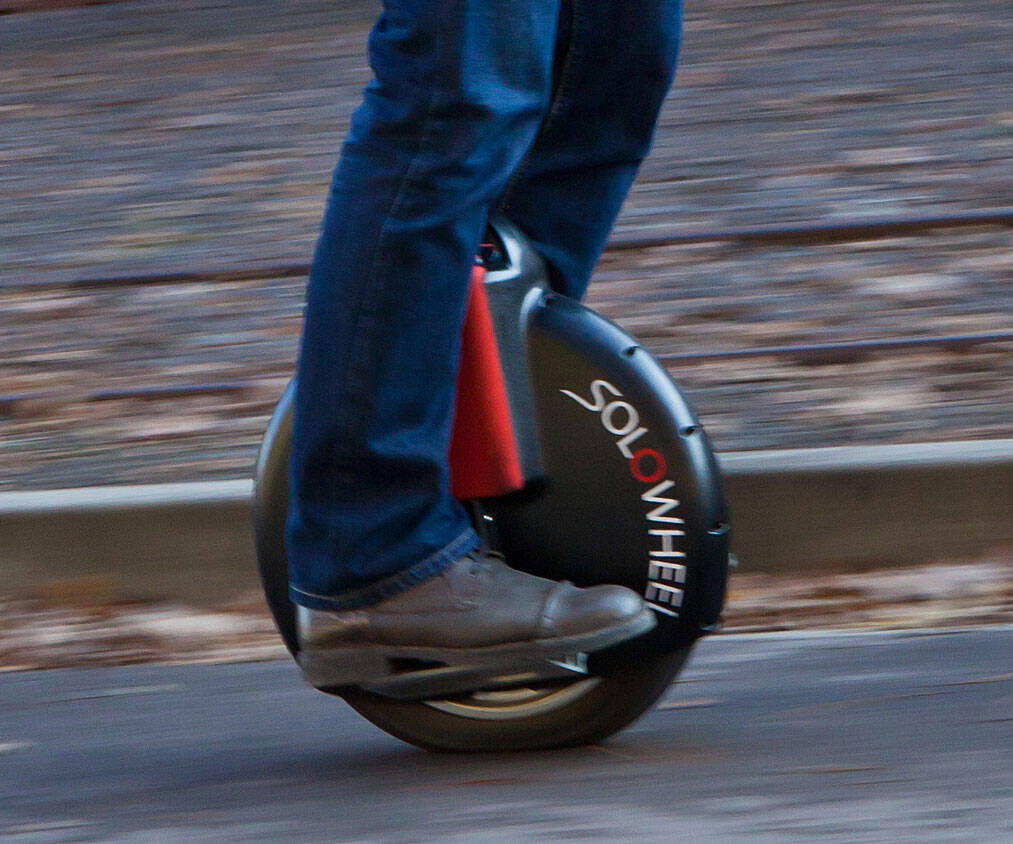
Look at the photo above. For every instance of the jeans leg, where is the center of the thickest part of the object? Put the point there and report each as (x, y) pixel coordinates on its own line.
(460, 88)
(616, 63)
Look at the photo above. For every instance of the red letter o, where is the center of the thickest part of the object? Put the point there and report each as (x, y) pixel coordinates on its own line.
(659, 461)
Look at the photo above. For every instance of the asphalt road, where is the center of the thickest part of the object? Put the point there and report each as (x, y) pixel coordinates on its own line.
(840, 737)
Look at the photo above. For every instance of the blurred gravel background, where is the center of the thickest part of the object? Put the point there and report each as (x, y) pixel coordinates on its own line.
(146, 138)
(79, 624)
(141, 137)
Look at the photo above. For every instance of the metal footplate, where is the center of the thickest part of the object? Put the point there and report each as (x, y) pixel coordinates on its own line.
(449, 680)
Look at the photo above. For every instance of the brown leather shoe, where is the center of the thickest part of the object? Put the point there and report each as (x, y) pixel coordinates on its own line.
(478, 611)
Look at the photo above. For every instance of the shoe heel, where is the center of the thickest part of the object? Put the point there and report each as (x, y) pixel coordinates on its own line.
(334, 668)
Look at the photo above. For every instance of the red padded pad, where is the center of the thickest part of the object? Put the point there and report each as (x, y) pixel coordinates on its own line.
(484, 461)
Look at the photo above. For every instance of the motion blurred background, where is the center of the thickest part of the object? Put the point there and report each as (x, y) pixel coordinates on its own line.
(164, 168)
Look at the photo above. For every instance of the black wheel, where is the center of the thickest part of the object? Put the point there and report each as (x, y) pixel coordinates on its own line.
(622, 487)
(582, 712)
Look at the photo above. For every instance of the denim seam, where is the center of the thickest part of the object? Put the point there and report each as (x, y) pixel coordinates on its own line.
(393, 585)
(353, 392)
(365, 321)
(563, 91)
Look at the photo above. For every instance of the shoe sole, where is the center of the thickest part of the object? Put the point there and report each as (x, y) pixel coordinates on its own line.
(330, 668)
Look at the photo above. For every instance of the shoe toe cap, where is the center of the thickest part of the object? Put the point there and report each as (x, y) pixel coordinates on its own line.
(573, 611)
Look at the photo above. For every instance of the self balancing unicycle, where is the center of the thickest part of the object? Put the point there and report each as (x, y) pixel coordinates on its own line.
(579, 460)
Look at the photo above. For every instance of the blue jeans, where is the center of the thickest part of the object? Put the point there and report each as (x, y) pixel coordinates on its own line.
(539, 110)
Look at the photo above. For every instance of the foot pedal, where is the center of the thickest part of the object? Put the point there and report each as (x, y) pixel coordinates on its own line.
(453, 680)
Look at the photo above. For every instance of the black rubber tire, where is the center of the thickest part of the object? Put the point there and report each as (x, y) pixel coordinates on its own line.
(616, 700)
(608, 706)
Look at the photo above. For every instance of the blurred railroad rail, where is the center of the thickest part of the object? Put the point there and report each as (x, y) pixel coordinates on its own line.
(821, 353)
(818, 247)
(807, 234)
(898, 339)
(158, 133)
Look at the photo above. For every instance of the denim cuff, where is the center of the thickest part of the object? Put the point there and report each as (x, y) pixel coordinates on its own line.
(388, 587)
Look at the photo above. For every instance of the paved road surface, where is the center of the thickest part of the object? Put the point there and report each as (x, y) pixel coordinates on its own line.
(860, 737)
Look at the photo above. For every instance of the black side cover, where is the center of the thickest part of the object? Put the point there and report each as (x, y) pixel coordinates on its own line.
(630, 492)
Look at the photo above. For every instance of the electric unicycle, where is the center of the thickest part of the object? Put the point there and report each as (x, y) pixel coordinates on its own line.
(579, 460)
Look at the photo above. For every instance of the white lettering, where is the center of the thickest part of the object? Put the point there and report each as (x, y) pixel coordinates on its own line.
(660, 570)
(632, 418)
(624, 443)
(667, 548)
(664, 594)
(596, 391)
(653, 496)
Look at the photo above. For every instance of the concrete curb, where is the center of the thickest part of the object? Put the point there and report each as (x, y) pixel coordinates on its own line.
(856, 507)
(824, 509)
